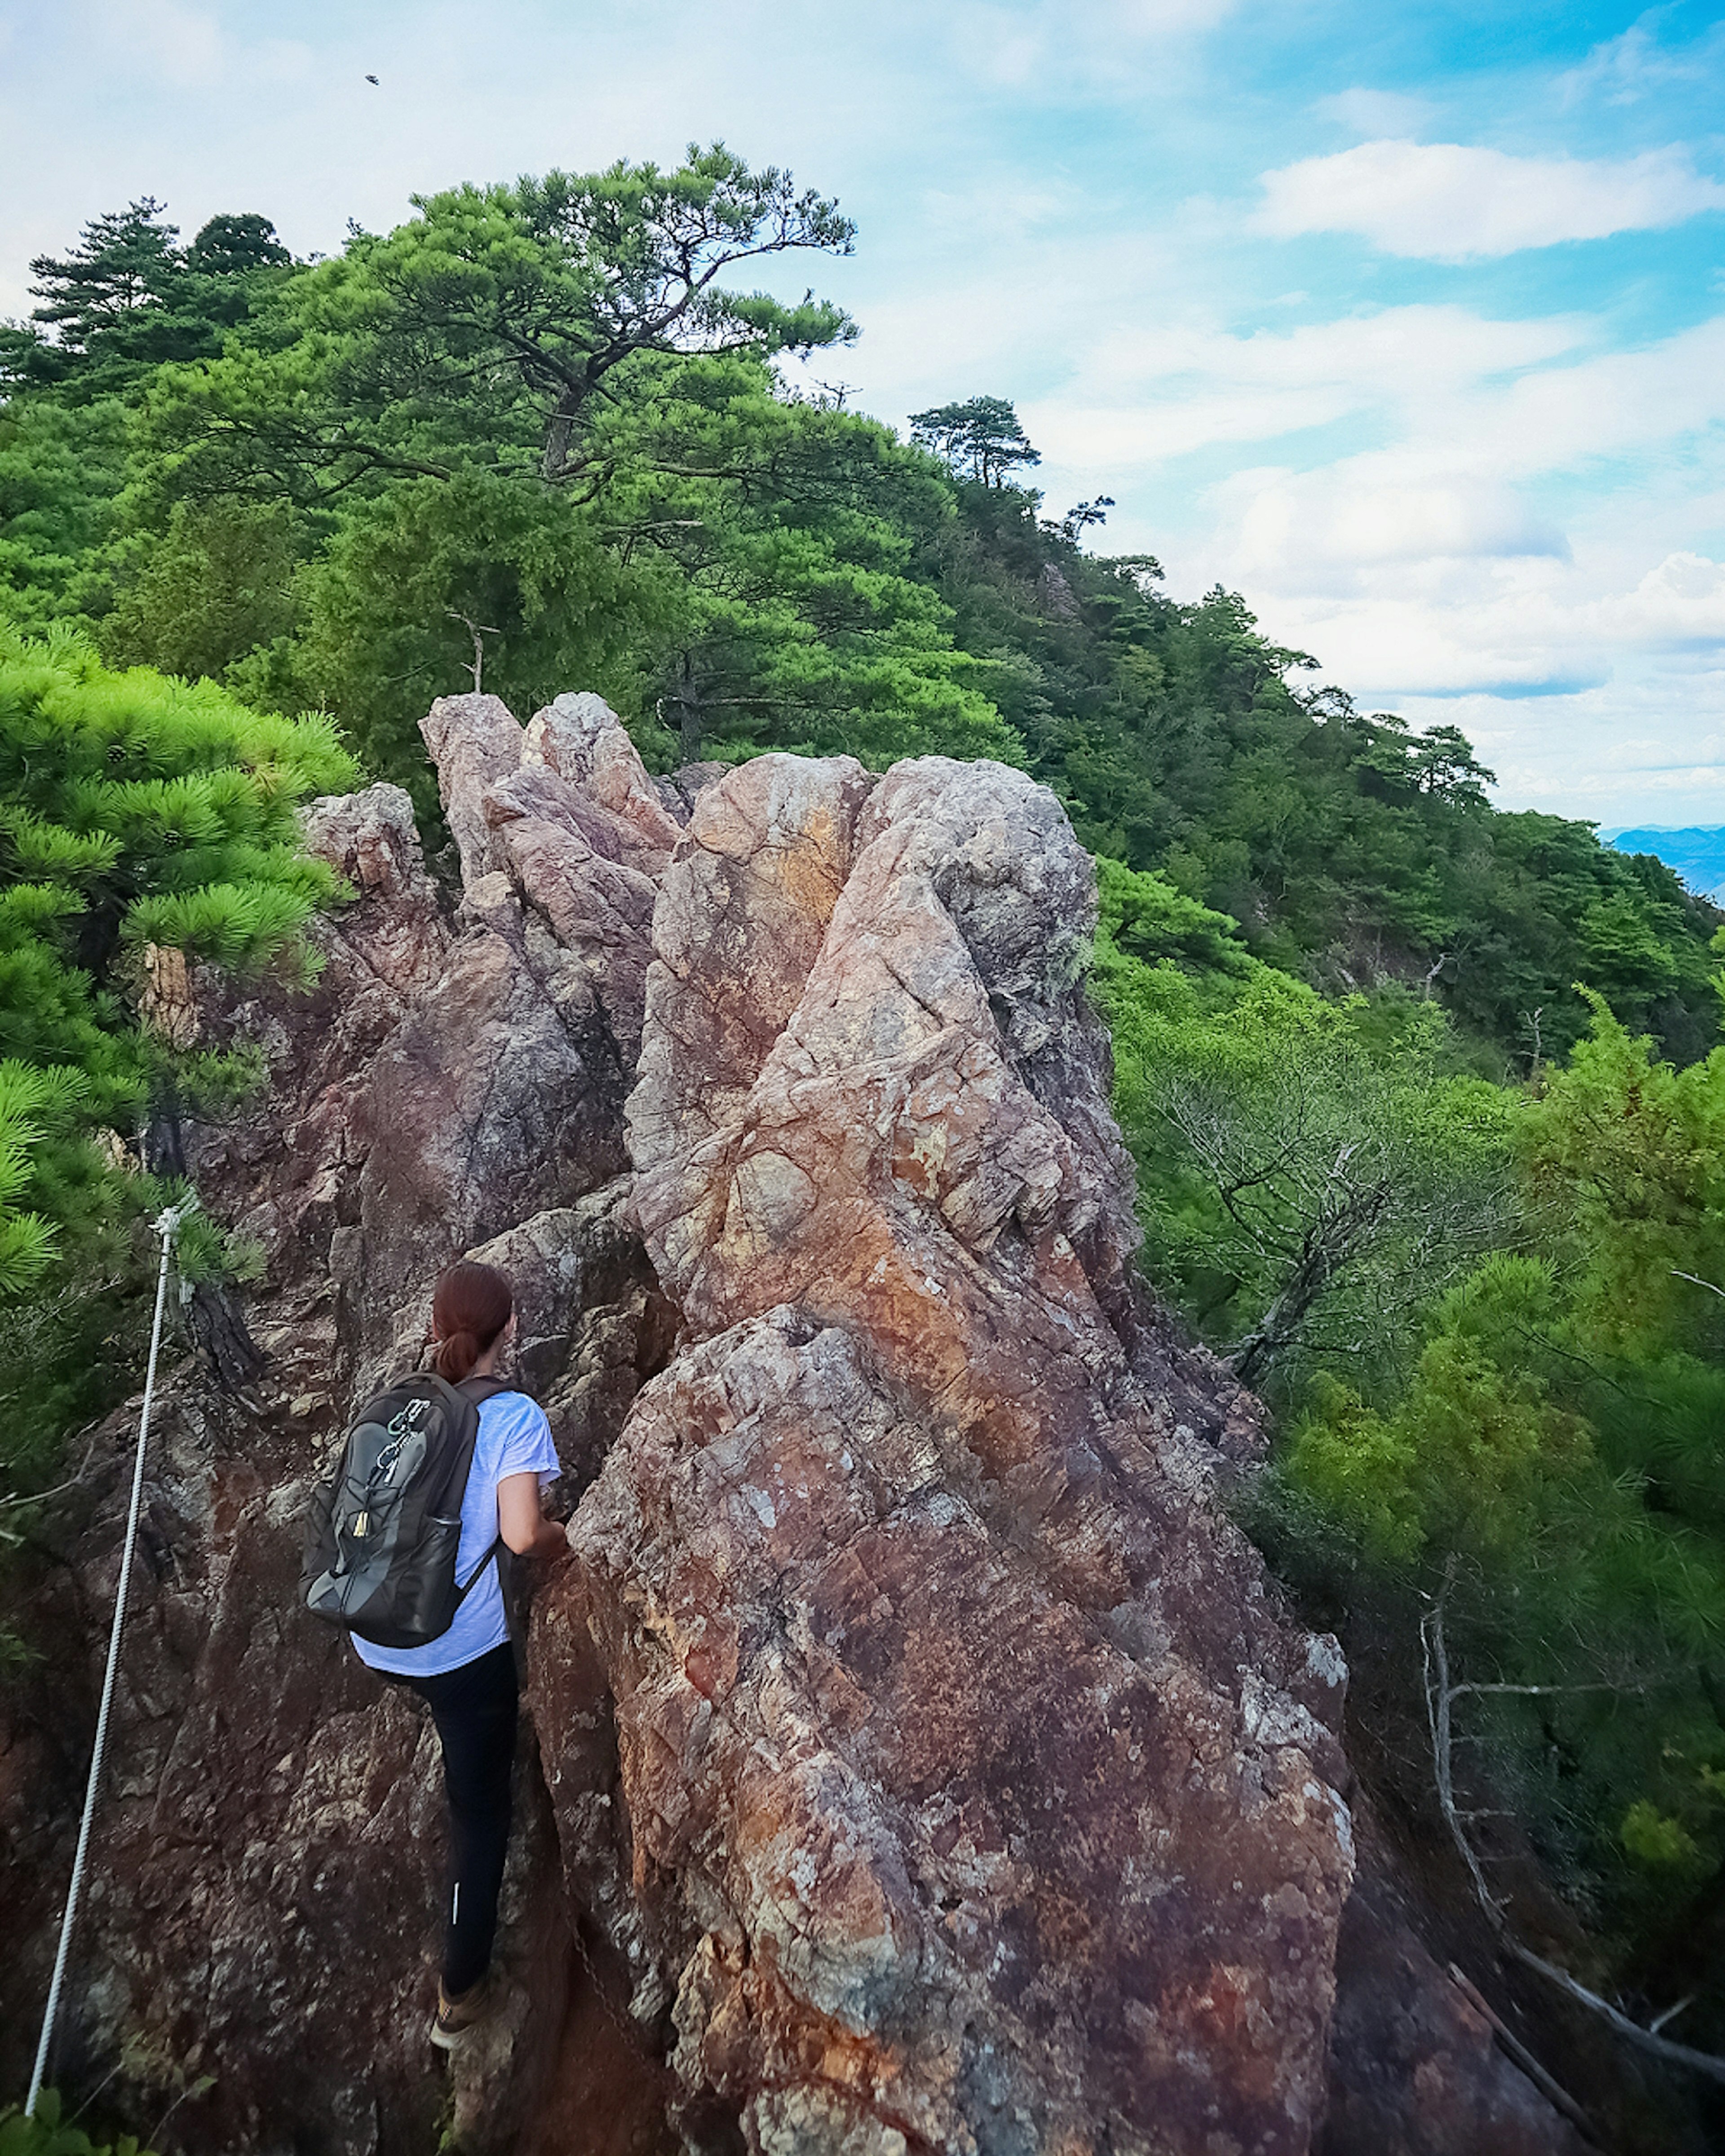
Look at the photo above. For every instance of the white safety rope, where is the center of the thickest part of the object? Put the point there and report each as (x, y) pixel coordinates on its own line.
(167, 1227)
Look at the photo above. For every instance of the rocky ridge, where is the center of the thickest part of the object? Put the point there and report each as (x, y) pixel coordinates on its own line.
(919, 1760)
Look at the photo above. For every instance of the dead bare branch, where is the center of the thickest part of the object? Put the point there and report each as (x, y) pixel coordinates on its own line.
(1551, 2088)
(478, 631)
(1440, 1695)
(58, 1490)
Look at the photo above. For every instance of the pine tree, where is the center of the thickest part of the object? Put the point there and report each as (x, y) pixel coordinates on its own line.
(138, 812)
(128, 297)
(981, 439)
(779, 536)
(124, 262)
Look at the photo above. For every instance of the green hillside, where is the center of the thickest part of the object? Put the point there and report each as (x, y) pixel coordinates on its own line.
(1425, 1095)
(312, 482)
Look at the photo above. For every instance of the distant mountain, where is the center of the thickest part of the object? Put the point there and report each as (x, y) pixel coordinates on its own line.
(1698, 855)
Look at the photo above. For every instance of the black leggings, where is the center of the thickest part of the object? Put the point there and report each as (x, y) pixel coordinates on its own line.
(474, 1707)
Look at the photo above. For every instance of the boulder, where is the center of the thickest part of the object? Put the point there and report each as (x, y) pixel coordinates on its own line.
(584, 741)
(975, 1794)
(919, 1758)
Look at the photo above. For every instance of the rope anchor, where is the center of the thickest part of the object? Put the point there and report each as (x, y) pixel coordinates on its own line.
(167, 1225)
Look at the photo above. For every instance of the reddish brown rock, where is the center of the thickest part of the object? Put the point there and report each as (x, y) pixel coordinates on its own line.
(262, 1903)
(584, 741)
(923, 1845)
(974, 1793)
(1414, 2068)
(747, 902)
(563, 818)
(599, 910)
(474, 742)
(920, 1761)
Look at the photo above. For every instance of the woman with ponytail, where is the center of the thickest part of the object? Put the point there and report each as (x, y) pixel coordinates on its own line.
(467, 1676)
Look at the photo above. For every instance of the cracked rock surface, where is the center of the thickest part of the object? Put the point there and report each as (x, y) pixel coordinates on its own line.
(917, 1760)
(976, 1798)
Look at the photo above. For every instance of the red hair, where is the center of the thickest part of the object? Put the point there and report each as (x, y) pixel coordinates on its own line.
(471, 1306)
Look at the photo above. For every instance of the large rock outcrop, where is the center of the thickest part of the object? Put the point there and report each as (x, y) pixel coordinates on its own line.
(975, 1795)
(918, 1761)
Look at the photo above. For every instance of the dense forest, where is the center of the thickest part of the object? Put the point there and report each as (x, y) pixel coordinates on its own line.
(1425, 1095)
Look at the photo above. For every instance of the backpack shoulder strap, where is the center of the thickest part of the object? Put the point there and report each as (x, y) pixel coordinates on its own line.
(477, 1389)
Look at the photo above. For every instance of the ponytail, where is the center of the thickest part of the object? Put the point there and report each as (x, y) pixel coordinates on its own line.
(471, 1306)
(454, 1357)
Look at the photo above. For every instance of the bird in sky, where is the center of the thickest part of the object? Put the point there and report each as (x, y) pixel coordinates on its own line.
(374, 82)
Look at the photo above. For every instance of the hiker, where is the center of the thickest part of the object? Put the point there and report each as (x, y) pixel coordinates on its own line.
(466, 1674)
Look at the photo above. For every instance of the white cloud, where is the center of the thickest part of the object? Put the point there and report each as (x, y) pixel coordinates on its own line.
(1606, 753)
(1327, 529)
(1594, 686)
(1100, 46)
(1163, 18)
(1374, 112)
(1407, 352)
(1679, 606)
(1603, 406)
(1446, 202)
(1633, 65)
(1142, 395)
(281, 60)
(1524, 551)
(1007, 208)
(1463, 516)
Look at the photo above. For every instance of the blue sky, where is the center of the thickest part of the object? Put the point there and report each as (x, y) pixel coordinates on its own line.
(1408, 321)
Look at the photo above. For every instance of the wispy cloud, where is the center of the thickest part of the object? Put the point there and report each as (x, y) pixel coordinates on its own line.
(1636, 63)
(1097, 47)
(1679, 606)
(1162, 391)
(1448, 202)
(1375, 112)
(1502, 555)
(1469, 489)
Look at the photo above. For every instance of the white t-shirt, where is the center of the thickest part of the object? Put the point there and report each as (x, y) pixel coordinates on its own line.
(514, 1439)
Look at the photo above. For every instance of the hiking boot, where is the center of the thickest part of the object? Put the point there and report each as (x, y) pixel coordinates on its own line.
(456, 2019)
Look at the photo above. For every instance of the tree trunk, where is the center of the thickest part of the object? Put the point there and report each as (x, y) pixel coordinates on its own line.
(220, 1330)
(689, 716)
(1279, 1325)
(558, 434)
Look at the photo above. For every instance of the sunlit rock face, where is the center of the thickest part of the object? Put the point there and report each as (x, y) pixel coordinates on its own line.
(917, 1761)
(975, 1797)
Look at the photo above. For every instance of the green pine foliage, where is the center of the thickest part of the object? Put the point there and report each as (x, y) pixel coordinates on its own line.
(779, 538)
(1559, 1437)
(136, 803)
(981, 438)
(1353, 852)
(546, 419)
(34, 1104)
(127, 298)
(1492, 1320)
(1313, 1172)
(62, 468)
(386, 615)
(215, 586)
(138, 811)
(1424, 1096)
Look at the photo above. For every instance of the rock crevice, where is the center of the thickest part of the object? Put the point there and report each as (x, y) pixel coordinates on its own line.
(917, 1754)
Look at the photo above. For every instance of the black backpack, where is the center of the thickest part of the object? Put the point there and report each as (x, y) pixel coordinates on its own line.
(382, 1533)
